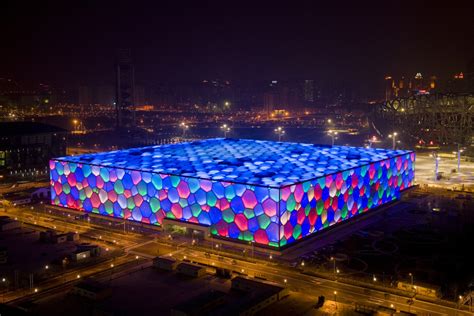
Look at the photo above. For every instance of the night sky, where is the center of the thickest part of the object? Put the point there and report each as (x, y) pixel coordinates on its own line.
(74, 42)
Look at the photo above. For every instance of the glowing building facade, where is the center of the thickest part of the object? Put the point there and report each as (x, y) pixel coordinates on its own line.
(270, 193)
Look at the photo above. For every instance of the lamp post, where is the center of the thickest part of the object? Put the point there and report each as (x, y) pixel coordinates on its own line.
(459, 158)
(334, 266)
(411, 277)
(335, 298)
(76, 124)
(5, 285)
(280, 132)
(394, 141)
(372, 140)
(333, 135)
(436, 161)
(226, 129)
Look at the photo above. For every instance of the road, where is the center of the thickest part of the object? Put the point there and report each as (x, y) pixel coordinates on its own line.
(271, 271)
(57, 282)
(317, 286)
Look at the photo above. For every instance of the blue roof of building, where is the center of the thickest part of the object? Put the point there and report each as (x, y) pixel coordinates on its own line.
(255, 162)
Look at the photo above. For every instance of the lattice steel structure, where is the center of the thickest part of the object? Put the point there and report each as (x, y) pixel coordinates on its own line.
(270, 193)
(442, 118)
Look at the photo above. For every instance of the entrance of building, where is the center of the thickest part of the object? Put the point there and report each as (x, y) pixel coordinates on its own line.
(191, 230)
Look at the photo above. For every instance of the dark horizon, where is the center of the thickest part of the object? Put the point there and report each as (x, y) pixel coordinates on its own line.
(357, 43)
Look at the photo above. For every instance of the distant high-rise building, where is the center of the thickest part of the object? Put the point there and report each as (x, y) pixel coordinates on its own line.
(84, 95)
(458, 84)
(395, 88)
(105, 94)
(309, 91)
(433, 84)
(268, 102)
(139, 95)
(284, 98)
(401, 83)
(125, 88)
(418, 83)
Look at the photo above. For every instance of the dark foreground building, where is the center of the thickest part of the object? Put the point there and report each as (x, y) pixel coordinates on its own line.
(26, 147)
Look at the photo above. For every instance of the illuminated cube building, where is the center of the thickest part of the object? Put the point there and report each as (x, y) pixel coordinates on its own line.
(270, 193)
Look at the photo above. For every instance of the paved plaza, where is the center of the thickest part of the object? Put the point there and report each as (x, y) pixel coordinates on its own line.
(425, 172)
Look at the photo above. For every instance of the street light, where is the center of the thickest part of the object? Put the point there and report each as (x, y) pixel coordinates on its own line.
(226, 129)
(374, 278)
(394, 141)
(333, 135)
(184, 126)
(411, 276)
(335, 298)
(280, 132)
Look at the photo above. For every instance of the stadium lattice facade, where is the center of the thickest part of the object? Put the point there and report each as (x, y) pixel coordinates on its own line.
(429, 119)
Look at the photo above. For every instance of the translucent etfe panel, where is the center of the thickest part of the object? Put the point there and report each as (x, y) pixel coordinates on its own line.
(253, 162)
(237, 211)
(311, 206)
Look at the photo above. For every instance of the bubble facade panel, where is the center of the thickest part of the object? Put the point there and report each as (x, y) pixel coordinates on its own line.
(270, 193)
(253, 162)
(310, 206)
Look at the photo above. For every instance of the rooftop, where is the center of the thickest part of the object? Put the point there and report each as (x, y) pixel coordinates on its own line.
(255, 162)
(27, 128)
(91, 286)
